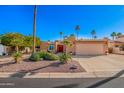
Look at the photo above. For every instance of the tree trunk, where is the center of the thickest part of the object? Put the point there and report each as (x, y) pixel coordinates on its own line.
(17, 60)
(60, 37)
(17, 49)
(113, 38)
(65, 49)
(77, 35)
(34, 30)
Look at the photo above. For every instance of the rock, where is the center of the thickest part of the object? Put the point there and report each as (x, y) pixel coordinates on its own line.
(73, 67)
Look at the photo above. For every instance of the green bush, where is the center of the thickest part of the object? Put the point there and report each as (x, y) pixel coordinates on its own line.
(17, 56)
(42, 54)
(64, 58)
(35, 57)
(50, 56)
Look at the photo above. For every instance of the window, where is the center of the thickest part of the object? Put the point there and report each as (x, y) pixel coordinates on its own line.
(51, 47)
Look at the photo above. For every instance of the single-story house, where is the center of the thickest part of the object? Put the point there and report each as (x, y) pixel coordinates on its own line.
(120, 38)
(79, 47)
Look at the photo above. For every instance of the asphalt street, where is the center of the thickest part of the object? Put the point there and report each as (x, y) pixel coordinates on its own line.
(110, 82)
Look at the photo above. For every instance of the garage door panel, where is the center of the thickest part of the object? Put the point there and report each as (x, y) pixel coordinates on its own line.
(89, 49)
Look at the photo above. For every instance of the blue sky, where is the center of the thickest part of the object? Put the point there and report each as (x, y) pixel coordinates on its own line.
(53, 19)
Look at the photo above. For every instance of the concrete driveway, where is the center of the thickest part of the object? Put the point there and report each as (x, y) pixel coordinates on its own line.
(104, 63)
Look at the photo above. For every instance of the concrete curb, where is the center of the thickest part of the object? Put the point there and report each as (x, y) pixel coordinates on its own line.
(61, 75)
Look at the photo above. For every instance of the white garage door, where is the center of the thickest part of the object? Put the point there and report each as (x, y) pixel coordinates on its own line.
(89, 49)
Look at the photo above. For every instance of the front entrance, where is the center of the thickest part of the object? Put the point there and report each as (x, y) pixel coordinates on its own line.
(60, 48)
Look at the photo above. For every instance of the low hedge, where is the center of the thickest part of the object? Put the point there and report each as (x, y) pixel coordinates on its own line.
(35, 57)
(43, 55)
(50, 56)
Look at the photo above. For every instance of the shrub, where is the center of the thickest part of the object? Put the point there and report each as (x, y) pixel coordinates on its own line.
(47, 56)
(35, 57)
(42, 54)
(50, 56)
(17, 56)
(64, 57)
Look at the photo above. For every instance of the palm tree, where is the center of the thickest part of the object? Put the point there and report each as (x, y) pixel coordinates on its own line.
(72, 35)
(113, 35)
(93, 33)
(95, 37)
(118, 34)
(77, 28)
(65, 37)
(34, 30)
(60, 33)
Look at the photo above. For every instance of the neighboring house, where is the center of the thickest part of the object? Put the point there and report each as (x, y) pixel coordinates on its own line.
(120, 38)
(80, 47)
(116, 45)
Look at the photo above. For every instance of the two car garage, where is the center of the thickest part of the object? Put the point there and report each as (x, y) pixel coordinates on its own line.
(91, 47)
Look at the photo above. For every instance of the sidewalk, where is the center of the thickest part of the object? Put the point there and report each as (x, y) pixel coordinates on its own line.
(62, 75)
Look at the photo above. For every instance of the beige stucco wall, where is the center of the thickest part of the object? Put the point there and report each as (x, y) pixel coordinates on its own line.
(90, 48)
